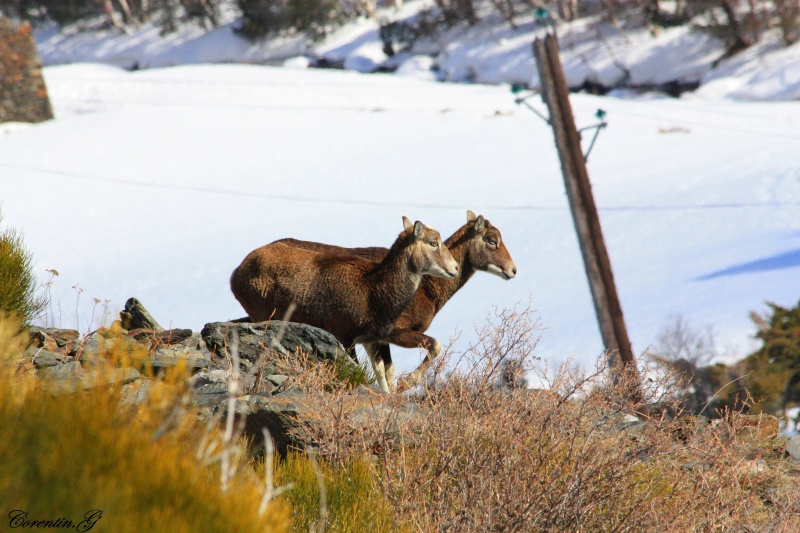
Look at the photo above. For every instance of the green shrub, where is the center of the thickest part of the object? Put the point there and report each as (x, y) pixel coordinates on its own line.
(17, 281)
(353, 503)
(62, 457)
(351, 374)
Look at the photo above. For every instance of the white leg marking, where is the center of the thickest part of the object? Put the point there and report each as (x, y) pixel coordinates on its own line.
(390, 378)
(377, 366)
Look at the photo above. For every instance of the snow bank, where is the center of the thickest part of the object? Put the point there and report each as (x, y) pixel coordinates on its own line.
(490, 52)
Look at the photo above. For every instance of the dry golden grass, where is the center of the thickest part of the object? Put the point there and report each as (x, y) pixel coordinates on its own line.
(63, 456)
(484, 454)
(488, 457)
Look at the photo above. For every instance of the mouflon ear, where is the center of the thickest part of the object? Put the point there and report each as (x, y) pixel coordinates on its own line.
(470, 216)
(480, 223)
(419, 228)
(407, 223)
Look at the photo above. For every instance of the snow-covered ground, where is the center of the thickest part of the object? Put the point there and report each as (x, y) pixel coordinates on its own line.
(157, 183)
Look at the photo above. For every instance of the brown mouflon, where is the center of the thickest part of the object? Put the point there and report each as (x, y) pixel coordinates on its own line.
(477, 245)
(356, 300)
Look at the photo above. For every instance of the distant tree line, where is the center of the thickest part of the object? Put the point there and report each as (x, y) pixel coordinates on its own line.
(121, 14)
(739, 23)
(767, 380)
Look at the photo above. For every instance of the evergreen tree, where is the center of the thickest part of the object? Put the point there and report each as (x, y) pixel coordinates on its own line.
(774, 369)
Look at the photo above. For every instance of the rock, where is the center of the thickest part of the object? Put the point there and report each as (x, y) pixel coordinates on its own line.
(93, 344)
(42, 358)
(253, 340)
(295, 418)
(633, 427)
(171, 356)
(86, 380)
(760, 426)
(61, 372)
(135, 316)
(108, 345)
(196, 341)
(143, 335)
(793, 447)
(612, 420)
(108, 377)
(160, 338)
(277, 379)
(627, 420)
(96, 347)
(173, 336)
(210, 387)
(370, 390)
(280, 415)
(54, 339)
(212, 394)
(135, 392)
(41, 339)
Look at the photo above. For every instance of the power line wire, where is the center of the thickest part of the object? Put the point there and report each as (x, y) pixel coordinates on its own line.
(229, 105)
(374, 203)
(411, 109)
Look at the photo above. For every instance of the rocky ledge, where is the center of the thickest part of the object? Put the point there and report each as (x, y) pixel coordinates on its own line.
(266, 395)
(271, 356)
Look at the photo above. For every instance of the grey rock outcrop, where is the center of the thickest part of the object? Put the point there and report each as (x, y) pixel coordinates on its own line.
(42, 358)
(793, 447)
(54, 339)
(267, 397)
(69, 378)
(252, 340)
(295, 418)
(135, 316)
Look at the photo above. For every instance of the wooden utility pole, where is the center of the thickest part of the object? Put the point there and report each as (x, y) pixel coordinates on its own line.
(555, 94)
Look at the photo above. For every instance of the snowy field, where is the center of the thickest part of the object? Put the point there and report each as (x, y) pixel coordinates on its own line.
(157, 183)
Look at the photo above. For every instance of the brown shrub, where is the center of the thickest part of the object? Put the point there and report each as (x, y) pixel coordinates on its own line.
(568, 457)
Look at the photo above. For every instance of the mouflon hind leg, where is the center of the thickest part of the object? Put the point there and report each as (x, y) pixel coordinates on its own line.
(415, 339)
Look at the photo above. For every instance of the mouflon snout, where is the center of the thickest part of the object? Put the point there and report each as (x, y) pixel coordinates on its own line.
(502, 265)
(432, 255)
(487, 251)
(509, 273)
(447, 263)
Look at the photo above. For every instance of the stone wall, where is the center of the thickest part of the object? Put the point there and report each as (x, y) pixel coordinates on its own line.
(23, 95)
